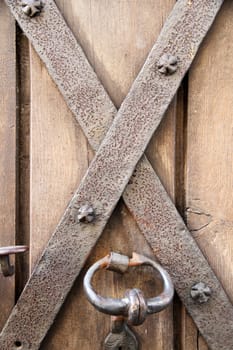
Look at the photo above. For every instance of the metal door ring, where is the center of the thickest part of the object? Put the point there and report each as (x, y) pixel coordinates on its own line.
(134, 306)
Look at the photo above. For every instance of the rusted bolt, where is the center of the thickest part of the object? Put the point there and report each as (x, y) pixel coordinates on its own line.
(5, 252)
(167, 64)
(31, 7)
(200, 292)
(86, 213)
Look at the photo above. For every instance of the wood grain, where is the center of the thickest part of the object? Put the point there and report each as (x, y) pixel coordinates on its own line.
(23, 156)
(7, 151)
(116, 37)
(191, 152)
(58, 157)
(209, 172)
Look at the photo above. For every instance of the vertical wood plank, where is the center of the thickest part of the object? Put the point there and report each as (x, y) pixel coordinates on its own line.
(189, 333)
(116, 37)
(186, 333)
(58, 157)
(7, 150)
(161, 154)
(23, 155)
(201, 343)
(209, 173)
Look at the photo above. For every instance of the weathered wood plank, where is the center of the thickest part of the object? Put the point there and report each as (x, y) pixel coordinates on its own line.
(98, 27)
(7, 150)
(209, 175)
(23, 155)
(186, 333)
(58, 157)
(117, 74)
(161, 154)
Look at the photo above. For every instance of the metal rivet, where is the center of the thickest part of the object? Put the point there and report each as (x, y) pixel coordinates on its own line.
(167, 64)
(31, 7)
(86, 214)
(200, 292)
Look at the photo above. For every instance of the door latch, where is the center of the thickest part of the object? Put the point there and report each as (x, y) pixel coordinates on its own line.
(133, 308)
(5, 252)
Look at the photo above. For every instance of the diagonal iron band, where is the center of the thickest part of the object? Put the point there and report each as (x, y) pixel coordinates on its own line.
(102, 186)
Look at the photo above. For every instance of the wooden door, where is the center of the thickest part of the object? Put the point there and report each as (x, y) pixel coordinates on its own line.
(44, 155)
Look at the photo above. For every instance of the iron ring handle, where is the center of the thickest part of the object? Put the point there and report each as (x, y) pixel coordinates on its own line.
(133, 306)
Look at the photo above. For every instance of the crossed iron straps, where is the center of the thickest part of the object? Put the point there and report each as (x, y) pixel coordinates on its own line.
(119, 139)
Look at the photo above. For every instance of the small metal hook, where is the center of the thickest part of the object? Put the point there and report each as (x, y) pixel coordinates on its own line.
(5, 252)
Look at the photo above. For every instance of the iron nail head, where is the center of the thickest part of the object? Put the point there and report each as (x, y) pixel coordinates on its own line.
(200, 292)
(86, 213)
(167, 64)
(31, 7)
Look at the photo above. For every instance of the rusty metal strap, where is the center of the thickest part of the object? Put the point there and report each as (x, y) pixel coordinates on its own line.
(59, 266)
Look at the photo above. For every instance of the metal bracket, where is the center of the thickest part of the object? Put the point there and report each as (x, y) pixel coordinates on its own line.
(120, 337)
(5, 252)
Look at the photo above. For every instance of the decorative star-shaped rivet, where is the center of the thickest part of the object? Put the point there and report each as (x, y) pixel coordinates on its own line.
(86, 213)
(200, 292)
(31, 7)
(167, 64)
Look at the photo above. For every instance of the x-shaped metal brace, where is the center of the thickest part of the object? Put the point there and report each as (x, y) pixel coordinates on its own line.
(123, 137)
